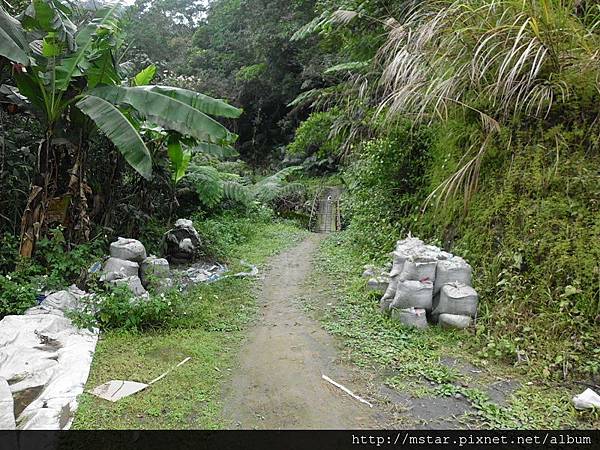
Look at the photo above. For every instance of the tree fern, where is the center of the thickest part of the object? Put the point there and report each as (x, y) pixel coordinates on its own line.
(213, 186)
(207, 183)
(232, 190)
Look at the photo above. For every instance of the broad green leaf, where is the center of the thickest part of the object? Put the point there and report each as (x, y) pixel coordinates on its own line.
(12, 28)
(120, 131)
(180, 157)
(30, 89)
(167, 112)
(74, 65)
(145, 76)
(51, 46)
(201, 102)
(13, 44)
(102, 70)
(51, 16)
(220, 151)
(9, 49)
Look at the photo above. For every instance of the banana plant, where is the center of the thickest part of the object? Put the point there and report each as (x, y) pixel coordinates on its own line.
(65, 71)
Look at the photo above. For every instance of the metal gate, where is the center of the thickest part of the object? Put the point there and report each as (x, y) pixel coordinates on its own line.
(325, 212)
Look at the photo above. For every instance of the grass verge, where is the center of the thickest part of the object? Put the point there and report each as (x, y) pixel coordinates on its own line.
(416, 361)
(209, 330)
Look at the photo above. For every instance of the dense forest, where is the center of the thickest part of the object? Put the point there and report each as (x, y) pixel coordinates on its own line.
(472, 124)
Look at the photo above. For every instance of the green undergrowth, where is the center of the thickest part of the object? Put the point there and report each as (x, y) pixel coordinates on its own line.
(413, 360)
(531, 231)
(208, 328)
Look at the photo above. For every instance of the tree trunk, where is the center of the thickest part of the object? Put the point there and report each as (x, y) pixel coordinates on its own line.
(33, 218)
(78, 190)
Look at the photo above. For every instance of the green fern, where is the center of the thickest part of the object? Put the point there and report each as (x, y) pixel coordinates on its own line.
(207, 183)
(232, 190)
(213, 186)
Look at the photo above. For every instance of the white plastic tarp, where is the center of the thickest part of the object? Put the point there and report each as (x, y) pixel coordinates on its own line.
(46, 361)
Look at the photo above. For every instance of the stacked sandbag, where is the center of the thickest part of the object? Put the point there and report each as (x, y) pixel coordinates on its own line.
(424, 277)
(411, 317)
(413, 294)
(457, 299)
(454, 269)
(155, 272)
(128, 265)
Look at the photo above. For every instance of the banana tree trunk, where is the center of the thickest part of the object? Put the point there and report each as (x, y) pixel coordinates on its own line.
(78, 191)
(34, 217)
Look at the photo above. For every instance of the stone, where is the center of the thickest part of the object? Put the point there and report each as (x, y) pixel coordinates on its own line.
(454, 321)
(369, 271)
(153, 268)
(182, 244)
(128, 249)
(115, 269)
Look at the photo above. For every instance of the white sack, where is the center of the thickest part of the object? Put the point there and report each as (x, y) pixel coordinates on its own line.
(128, 249)
(116, 269)
(412, 293)
(419, 268)
(455, 269)
(457, 298)
(448, 321)
(410, 317)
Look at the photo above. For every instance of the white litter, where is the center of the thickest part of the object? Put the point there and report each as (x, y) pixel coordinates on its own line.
(346, 390)
(115, 390)
(588, 399)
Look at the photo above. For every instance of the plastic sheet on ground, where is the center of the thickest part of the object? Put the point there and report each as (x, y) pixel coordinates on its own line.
(46, 361)
(210, 272)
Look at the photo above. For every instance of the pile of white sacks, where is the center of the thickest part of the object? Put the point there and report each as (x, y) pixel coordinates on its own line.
(128, 265)
(426, 282)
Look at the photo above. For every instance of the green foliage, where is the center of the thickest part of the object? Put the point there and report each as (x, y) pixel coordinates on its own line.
(384, 189)
(17, 293)
(213, 186)
(222, 234)
(54, 267)
(251, 73)
(116, 308)
(87, 53)
(313, 136)
(533, 239)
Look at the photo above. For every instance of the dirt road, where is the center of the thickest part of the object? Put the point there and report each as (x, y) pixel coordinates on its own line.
(278, 383)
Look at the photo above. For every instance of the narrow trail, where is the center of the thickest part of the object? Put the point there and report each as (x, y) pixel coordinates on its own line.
(278, 384)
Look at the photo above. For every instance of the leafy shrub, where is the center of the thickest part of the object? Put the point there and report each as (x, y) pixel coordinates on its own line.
(54, 267)
(16, 294)
(9, 249)
(384, 185)
(63, 264)
(223, 232)
(313, 136)
(116, 308)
